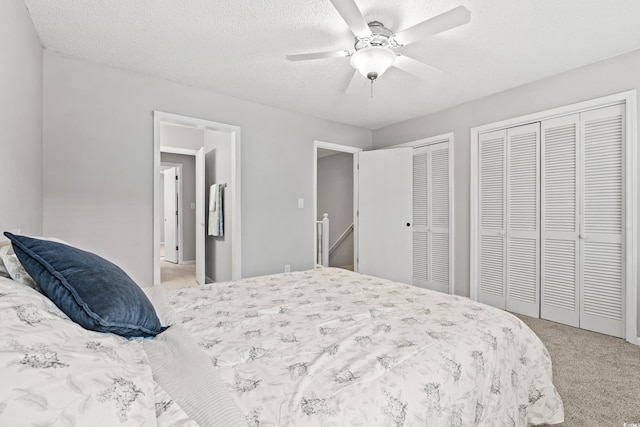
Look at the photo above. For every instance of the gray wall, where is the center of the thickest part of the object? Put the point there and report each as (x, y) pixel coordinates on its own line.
(20, 120)
(98, 173)
(188, 196)
(218, 250)
(618, 74)
(335, 197)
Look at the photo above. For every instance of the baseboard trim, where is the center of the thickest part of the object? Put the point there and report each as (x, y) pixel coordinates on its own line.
(188, 262)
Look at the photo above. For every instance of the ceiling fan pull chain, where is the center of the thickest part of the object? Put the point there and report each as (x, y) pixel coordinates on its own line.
(371, 88)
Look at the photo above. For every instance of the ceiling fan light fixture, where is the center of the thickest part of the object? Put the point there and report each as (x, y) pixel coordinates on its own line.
(373, 61)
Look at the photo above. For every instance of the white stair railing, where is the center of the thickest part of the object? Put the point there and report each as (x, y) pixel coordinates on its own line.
(341, 238)
(322, 241)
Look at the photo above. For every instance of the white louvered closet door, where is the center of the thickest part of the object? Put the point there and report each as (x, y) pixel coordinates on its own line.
(602, 248)
(421, 200)
(582, 250)
(523, 232)
(431, 267)
(492, 206)
(560, 220)
(509, 224)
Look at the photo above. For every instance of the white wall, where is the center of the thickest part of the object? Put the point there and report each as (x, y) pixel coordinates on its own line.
(98, 168)
(20, 120)
(218, 249)
(188, 197)
(174, 136)
(335, 197)
(615, 75)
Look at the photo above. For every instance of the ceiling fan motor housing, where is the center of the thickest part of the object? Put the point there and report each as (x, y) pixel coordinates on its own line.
(381, 36)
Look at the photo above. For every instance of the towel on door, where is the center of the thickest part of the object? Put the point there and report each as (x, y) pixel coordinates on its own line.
(216, 224)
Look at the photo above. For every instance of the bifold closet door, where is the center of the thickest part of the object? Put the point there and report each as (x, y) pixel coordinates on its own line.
(509, 224)
(602, 293)
(582, 272)
(523, 231)
(431, 267)
(492, 206)
(560, 220)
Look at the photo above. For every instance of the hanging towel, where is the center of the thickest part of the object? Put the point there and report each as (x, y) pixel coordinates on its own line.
(216, 224)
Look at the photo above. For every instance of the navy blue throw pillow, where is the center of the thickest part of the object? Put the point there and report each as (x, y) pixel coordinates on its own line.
(92, 291)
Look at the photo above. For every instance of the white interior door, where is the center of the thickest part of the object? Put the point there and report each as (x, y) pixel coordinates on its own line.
(385, 204)
(170, 215)
(200, 216)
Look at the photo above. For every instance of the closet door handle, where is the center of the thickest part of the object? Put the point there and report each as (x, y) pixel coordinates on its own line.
(584, 236)
(501, 233)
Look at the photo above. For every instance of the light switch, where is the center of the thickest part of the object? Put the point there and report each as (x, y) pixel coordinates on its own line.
(300, 203)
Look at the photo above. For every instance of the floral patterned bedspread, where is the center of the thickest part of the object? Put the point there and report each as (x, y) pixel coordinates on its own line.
(53, 372)
(331, 347)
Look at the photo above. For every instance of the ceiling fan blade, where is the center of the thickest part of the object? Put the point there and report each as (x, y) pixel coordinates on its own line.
(443, 22)
(353, 17)
(357, 83)
(416, 68)
(318, 55)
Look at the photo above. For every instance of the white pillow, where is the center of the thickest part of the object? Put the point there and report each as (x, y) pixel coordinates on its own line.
(14, 268)
(11, 265)
(3, 270)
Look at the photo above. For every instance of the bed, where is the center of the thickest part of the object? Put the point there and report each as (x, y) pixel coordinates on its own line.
(325, 347)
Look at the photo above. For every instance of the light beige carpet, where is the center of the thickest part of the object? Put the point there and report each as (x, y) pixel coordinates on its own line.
(174, 276)
(597, 376)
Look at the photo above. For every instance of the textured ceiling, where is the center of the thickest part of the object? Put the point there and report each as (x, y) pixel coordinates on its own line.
(238, 47)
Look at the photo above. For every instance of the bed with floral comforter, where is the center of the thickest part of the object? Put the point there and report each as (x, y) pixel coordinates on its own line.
(82, 344)
(330, 347)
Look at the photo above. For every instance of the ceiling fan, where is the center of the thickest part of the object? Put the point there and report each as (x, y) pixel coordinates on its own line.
(373, 52)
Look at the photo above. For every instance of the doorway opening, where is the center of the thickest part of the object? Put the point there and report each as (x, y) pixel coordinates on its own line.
(335, 193)
(214, 149)
(177, 212)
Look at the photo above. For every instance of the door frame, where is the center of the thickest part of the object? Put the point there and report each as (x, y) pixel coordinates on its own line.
(343, 149)
(432, 140)
(233, 187)
(179, 230)
(629, 99)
